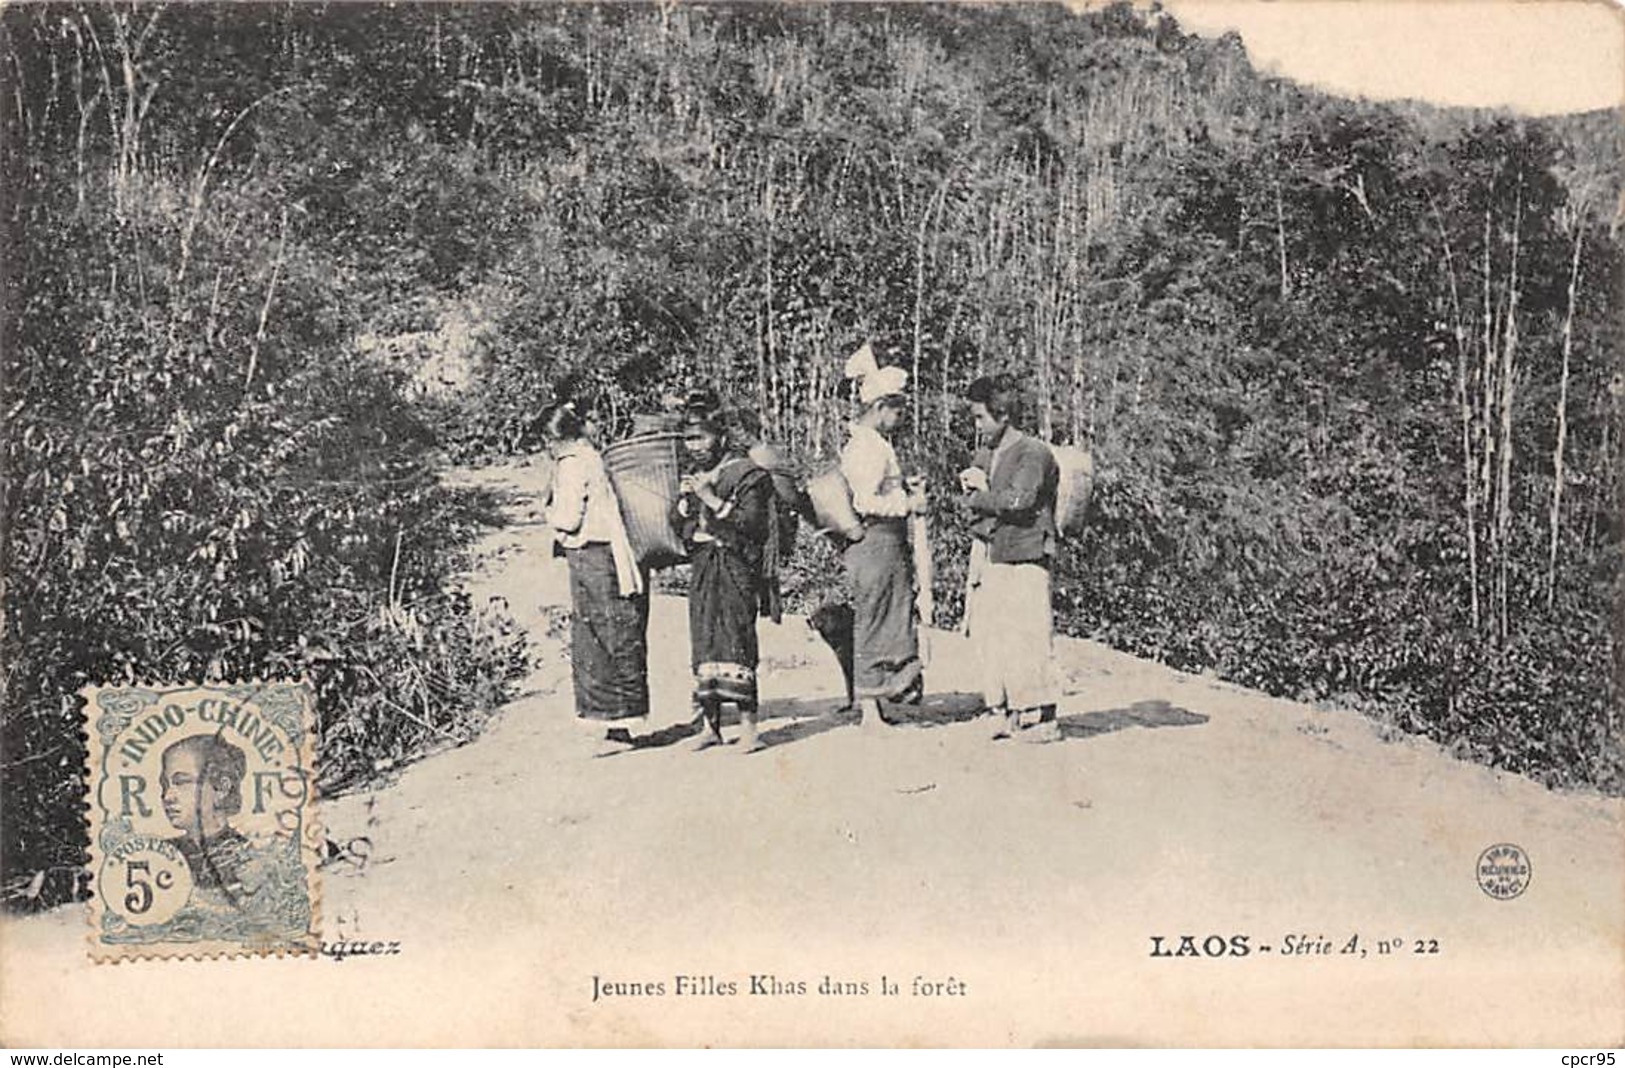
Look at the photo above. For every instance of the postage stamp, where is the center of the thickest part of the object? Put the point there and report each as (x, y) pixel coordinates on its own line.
(203, 832)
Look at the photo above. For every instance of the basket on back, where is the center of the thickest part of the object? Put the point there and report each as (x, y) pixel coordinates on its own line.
(831, 500)
(644, 472)
(655, 423)
(780, 468)
(1072, 493)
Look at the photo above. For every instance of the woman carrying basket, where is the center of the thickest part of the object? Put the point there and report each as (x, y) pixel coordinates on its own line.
(727, 515)
(879, 568)
(609, 618)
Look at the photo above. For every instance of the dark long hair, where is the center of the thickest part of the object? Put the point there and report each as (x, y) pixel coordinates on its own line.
(563, 423)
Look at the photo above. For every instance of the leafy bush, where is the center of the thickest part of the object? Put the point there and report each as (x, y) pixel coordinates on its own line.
(204, 480)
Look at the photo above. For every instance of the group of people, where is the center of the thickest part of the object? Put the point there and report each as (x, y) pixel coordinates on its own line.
(736, 512)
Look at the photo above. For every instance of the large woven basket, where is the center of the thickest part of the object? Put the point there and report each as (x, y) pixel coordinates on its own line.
(643, 470)
(1077, 481)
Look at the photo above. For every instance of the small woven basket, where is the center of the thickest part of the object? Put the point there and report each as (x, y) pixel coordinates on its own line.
(1077, 481)
(831, 500)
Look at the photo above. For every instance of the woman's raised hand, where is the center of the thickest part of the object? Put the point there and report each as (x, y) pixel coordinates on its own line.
(972, 479)
(917, 502)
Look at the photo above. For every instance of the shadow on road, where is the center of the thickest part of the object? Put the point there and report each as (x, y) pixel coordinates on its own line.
(1155, 713)
(816, 717)
(810, 718)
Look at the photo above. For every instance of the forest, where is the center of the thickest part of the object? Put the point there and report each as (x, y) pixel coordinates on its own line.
(1350, 372)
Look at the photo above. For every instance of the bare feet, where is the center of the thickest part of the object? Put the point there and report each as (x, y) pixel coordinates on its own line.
(874, 722)
(748, 740)
(1045, 730)
(710, 728)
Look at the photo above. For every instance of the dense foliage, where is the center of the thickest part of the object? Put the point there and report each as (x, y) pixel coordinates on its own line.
(1350, 372)
(203, 478)
(1333, 358)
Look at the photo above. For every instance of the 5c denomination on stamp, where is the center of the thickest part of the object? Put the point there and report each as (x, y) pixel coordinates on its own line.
(203, 836)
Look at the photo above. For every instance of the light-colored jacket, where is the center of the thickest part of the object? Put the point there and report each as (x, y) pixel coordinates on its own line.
(584, 510)
(869, 465)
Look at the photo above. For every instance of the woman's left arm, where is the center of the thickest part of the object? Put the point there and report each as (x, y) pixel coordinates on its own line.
(745, 511)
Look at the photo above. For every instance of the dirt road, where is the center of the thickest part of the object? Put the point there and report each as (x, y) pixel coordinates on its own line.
(1007, 893)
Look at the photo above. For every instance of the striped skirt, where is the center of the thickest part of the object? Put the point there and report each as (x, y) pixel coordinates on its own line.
(723, 598)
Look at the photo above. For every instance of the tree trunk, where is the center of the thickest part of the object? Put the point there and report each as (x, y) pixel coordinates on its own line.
(1280, 242)
(1465, 408)
(769, 384)
(1486, 383)
(1509, 355)
(1563, 414)
(919, 302)
(265, 309)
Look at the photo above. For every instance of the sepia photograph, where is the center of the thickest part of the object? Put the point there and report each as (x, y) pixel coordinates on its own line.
(801, 524)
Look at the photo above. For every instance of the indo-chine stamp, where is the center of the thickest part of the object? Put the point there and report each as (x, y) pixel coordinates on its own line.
(203, 831)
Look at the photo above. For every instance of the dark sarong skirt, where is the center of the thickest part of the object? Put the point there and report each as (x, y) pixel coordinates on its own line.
(722, 604)
(608, 639)
(885, 644)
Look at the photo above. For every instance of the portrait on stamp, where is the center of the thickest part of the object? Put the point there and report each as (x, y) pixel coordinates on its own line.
(202, 820)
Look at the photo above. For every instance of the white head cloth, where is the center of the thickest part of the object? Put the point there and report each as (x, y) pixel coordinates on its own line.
(874, 381)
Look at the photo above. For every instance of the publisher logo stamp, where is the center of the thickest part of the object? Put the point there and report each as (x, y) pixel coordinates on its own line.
(1503, 871)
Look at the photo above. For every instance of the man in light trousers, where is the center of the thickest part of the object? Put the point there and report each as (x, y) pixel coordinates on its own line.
(1010, 491)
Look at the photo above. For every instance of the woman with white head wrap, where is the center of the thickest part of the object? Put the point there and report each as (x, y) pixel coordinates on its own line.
(885, 640)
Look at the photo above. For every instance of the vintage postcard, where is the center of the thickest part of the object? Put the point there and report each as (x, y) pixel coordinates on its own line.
(203, 829)
(792, 524)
